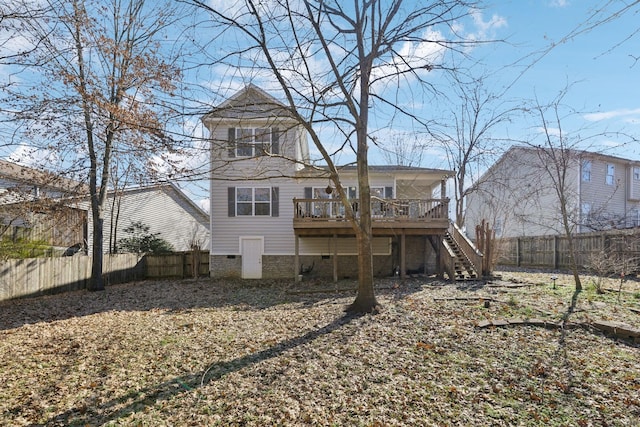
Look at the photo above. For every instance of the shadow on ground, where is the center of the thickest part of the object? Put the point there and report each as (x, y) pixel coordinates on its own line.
(141, 399)
(185, 294)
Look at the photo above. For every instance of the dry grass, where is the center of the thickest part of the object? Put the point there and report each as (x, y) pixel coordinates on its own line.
(204, 353)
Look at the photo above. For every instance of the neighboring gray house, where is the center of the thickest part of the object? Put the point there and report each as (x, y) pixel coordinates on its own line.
(163, 207)
(38, 205)
(273, 215)
(517, 197)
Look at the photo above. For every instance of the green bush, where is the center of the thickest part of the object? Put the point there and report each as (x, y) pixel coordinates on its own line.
(141, 241)
(22, 248)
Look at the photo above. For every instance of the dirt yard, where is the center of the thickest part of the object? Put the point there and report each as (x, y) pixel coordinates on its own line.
(210, 353)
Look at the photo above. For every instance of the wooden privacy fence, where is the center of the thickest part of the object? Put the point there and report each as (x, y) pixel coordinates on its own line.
(553, 251)
(179, 264)
(38, 276)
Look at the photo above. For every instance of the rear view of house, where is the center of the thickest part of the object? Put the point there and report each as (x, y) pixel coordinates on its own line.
(275, 215)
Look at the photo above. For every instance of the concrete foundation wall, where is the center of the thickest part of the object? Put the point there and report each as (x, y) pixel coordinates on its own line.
(419, 254)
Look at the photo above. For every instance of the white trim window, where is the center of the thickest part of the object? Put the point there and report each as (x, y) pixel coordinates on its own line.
(611, 174)
(252, 142)
(253, 201)
(636, 173)
(586, 170)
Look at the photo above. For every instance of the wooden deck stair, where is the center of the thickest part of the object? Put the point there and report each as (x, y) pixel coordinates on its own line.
(460, 266)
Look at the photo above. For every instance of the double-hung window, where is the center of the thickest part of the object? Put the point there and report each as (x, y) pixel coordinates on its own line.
(377, 205)
(586, 170)
(611, 174)
(636, 173)
(322, 209)
(252, 142)
(253, 201)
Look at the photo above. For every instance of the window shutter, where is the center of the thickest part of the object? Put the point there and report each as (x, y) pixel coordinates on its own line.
(232, 142)
(275, 141)
(388, 192)
(231, 199)
(275, 201)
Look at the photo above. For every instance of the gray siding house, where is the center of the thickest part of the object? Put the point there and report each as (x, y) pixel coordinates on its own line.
(163, 207)
(518, 198)
(274, 215)
(37, 205)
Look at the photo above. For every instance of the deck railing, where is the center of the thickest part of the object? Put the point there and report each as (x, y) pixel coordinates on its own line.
(381, 209)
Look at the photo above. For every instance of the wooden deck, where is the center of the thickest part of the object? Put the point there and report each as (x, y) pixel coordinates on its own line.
(390, 217)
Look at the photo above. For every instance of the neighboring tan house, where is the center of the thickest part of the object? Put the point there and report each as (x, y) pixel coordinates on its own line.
(36, 205)
(518, 198)
(273, 214)
(163, 207)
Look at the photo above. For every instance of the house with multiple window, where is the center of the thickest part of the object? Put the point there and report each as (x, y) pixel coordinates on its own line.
(518, 197)
(275, 214)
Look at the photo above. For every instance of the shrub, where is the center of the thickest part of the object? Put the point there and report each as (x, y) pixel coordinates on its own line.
(141, 240)
(23, 248)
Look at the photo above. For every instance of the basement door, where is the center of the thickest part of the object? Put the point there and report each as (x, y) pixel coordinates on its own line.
(251, 249)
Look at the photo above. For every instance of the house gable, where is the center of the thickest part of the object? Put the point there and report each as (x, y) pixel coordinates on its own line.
(254, 135)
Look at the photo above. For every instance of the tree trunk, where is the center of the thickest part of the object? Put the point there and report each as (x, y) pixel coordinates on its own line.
(365, 301)
(569, 233)
(574, 263)
(97, 283)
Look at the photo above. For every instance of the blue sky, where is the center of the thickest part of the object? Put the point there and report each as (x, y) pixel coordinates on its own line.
(535, 59)
(597, 65)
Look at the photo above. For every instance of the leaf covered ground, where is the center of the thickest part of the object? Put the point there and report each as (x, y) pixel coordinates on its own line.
(209, 353)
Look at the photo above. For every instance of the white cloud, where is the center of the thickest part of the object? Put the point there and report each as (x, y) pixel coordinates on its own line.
(228, 8)
(629, 115)
(33, 157)
(559, 3)
(485, 29)
(549, 131)
(204, 204)
(419, 56)
(612, 144)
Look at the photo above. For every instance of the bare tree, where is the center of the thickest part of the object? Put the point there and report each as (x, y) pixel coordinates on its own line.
(333, 63)
(100, 87)
(404, 149)
(559, 158)
(466, 136)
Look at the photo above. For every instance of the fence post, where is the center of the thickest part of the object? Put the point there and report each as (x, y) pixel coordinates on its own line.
(555, 252)
(517, 251)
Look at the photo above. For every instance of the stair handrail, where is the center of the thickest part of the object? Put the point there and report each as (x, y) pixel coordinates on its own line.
(449, 262)
(470, 250)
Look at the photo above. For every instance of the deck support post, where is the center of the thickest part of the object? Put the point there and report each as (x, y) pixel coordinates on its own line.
(403, 257)
(440, 257)
(335, 258)
(296, 260)
(425, 255)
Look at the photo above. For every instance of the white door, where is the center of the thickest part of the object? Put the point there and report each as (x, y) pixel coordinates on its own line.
(251, 249)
